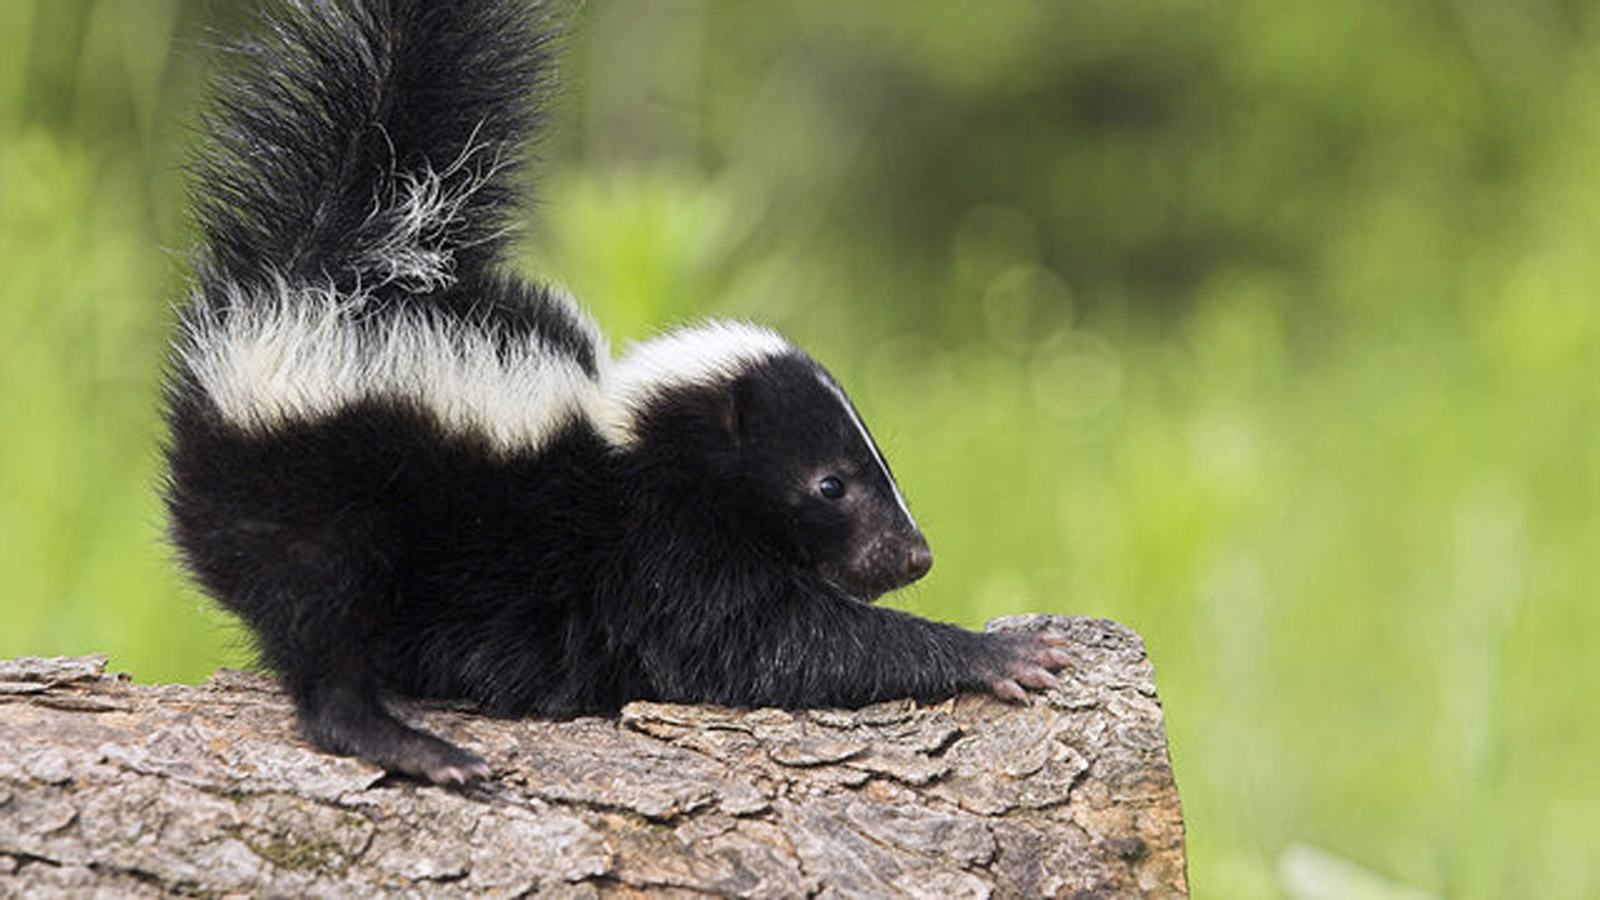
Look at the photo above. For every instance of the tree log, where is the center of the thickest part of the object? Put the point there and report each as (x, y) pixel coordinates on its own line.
(117, 789)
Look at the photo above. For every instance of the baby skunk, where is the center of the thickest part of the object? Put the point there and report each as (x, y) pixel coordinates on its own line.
(412, 474)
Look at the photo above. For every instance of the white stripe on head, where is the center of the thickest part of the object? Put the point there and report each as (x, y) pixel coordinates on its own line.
(877, 456)
(305, 353)
(703, 354)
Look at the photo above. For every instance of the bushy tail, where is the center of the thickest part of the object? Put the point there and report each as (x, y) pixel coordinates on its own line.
(370, 145)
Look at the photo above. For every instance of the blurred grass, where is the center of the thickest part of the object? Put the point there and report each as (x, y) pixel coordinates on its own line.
(1270, 331)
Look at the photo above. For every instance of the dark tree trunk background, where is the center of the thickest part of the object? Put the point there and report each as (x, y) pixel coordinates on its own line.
(120, 789)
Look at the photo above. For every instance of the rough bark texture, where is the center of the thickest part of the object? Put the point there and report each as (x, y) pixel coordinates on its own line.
(123, 790)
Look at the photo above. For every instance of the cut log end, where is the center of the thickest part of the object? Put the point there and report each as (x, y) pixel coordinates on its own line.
(128, 789)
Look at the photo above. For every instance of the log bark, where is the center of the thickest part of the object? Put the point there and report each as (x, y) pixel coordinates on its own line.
(118, 789)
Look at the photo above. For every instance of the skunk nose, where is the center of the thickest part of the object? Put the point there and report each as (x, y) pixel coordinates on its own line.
(918, 561)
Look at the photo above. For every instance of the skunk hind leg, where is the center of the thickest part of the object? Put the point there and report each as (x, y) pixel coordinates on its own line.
(323, 641)
(294, 560)
(349, 718)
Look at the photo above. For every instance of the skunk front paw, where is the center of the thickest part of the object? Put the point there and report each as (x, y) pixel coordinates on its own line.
(1024, 661)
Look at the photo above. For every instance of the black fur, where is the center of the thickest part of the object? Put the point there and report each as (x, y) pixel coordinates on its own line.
(376, 552)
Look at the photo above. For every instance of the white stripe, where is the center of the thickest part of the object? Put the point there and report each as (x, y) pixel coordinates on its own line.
(877, 457)
(303, 353)
(703, 354)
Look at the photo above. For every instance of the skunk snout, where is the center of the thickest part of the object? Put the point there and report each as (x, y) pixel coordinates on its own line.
(888, 563)
(919, 559)
(897, 560)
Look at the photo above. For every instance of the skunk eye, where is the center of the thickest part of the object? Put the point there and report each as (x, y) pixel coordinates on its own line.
(831, 488)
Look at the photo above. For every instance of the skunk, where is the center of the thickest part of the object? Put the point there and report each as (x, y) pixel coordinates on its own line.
(412, 474)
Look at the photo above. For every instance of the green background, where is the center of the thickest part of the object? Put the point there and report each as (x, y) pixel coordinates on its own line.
(1268, 329)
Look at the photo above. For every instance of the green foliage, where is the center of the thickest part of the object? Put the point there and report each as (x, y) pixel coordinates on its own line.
(1265, 328)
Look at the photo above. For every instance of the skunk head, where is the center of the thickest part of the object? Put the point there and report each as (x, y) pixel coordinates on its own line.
(759, 435)
(810, 468)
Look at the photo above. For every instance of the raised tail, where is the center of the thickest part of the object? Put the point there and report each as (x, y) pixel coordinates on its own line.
(370, 146)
